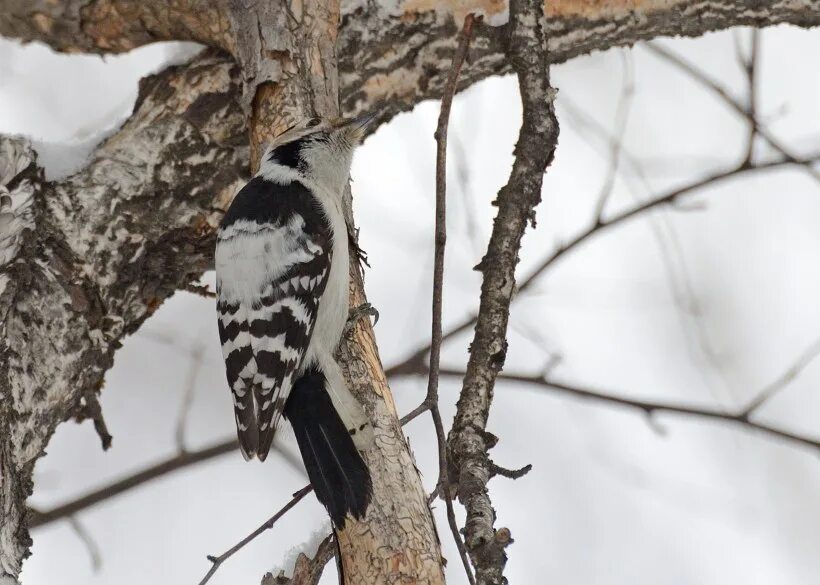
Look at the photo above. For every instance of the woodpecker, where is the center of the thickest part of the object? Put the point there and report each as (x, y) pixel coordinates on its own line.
(282, 303)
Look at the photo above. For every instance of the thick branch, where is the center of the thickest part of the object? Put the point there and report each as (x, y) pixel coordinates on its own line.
(516, 202)
(387, 56)
(89, 259)
(114, 26)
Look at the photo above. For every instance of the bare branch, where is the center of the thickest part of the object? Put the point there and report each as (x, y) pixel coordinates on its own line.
(750, 66)
(90, 409)
(774, 388)
(200, 289)
(431, 401)
(197, 356)
(217, 561)
(177, 462)
(649, 407)
(621, 120)
(412, 362)
(496, 469)
(307, 571)
(113, 26)
(516, 201)
(709, 83)
(90, 545)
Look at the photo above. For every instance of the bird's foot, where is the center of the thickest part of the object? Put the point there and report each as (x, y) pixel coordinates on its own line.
(360, 312)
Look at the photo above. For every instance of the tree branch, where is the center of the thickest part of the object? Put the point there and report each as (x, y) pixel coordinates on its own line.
(468, 442)
(431, 401)
(217, 561)
(387, 58)
(90, 258)
(160, 469)
(756, 128)
(307, 571)
(411, 363)
(741, 417)
(114, 26)
(649, 406)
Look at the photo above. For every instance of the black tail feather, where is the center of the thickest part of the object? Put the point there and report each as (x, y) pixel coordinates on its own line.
(337, 471)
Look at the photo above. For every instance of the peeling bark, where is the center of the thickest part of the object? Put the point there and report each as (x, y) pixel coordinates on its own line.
(87, 260)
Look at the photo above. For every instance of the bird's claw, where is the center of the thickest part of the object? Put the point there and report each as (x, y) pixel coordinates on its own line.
(360, 312)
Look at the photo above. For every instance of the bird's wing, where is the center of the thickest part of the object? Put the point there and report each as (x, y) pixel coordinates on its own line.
(272, 269)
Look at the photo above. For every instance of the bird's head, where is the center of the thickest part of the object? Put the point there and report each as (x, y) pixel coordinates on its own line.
(315, 150)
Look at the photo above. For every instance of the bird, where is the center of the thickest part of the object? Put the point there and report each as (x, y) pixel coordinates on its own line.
(282, 263)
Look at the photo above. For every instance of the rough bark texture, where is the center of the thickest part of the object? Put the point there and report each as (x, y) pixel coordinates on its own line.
(397, 541)
(114, 26)
(84, 261)
(469, 441)
(387, 58)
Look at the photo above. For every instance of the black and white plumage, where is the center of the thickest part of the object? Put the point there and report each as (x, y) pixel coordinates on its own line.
(282, 286)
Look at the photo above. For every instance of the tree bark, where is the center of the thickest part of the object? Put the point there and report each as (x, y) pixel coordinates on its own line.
(391, 59)
(468, 441)
(84, 261)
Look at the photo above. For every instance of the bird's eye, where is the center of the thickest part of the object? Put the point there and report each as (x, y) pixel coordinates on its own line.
(313, 122)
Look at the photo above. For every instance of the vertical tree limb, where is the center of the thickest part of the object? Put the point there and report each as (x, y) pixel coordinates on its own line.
(396, 541)
(468, 441)
(438, 285)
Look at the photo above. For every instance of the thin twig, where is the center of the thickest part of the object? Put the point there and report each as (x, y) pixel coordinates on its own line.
(197, 356)
(88, 541)
(709, 83)
(417, 358)
(200, 289)
(621, 120)
(649, 406)
(90, 409)
(217, 561)
(496, 469)
(772, 389)
(751, 67)
(438, 283)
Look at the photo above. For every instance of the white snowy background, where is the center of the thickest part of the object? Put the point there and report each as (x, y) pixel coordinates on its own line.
(703, 306)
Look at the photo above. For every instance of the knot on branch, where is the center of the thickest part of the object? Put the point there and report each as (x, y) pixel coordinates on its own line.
(491, 558)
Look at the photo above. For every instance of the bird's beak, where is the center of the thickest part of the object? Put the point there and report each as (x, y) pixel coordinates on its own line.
(358, 126)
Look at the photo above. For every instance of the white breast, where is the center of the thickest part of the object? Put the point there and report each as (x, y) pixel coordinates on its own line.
(333, 307)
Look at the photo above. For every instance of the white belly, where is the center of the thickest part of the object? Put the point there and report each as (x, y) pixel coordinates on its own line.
(333, 307)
